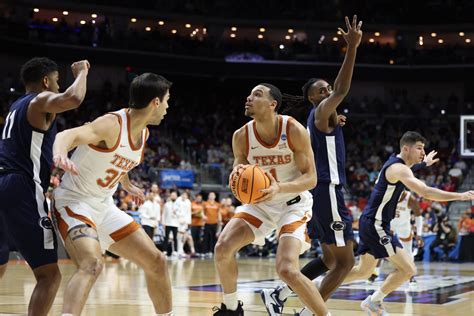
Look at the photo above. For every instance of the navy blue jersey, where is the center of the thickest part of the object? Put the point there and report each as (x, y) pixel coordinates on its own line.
(25, 149)
(385, 195)
(329, 153)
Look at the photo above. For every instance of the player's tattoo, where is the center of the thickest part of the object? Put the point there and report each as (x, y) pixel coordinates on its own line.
(83, 231)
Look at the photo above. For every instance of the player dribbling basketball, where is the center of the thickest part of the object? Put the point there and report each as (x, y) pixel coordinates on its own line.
(281, 146)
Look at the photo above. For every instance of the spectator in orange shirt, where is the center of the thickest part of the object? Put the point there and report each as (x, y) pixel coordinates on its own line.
(197, 222)
(211, 211)
(466, 223)
(227, 211)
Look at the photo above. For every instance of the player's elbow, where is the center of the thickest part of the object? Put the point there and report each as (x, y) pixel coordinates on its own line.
(424, 192)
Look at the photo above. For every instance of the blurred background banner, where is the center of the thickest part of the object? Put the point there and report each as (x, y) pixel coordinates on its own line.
(171, 178)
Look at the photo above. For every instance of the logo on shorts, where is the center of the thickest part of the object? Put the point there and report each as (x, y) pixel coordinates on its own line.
(385, 240)
(338, 226)
(45, 222)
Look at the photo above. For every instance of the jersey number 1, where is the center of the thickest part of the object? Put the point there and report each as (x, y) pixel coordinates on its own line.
(7, 129)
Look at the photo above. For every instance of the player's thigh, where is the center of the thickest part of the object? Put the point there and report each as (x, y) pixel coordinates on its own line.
(82, 244)
(137, 247)
(288, 251)
(367, 263)
(236, 234)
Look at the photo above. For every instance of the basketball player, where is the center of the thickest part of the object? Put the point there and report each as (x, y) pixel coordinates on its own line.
(25, 168)
(87, 219)
(376, 239)
(331, 222)
(401, 224)
(281, 146)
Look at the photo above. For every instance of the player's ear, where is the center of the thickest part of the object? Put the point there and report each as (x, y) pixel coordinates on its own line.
(46, 82)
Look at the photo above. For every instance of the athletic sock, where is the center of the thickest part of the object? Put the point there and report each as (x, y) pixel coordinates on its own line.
(230, 301)
(284, 293)
(378, 296)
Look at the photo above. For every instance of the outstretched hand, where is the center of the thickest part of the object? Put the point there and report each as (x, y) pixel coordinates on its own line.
(353, 35)
(429, 159)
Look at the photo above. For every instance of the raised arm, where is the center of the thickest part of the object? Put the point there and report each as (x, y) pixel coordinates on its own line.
(49, 102)
(103, 131)
(343, 80)
(400, 172)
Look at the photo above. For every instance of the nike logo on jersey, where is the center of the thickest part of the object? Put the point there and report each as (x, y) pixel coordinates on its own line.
(254, 147)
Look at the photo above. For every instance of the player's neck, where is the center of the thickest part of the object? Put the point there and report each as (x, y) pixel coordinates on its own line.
(267, 127)
(33, 89)
(405, 159)
(138, 121)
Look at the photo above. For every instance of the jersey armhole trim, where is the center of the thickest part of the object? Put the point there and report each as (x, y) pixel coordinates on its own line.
(108, 150)
(290, 144)
(247, 137)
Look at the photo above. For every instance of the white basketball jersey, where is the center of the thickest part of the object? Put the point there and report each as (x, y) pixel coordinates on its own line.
(100, 170)
(277, 159)
(403, 211)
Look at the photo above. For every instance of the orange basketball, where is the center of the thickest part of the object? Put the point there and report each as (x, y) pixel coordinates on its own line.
(247, 183)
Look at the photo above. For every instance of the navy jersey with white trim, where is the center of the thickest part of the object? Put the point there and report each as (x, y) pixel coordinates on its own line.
(384, 198)
(24, 148)
(329, 152)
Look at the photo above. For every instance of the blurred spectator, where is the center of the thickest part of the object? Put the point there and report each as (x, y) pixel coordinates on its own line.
(171, 214)
(211, 211)
(150, 214)
(446, 237)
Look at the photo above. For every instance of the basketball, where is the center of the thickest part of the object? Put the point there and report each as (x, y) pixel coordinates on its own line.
(247, 183)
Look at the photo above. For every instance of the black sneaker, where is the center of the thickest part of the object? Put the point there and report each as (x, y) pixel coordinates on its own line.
(372, 278)
(223, 311)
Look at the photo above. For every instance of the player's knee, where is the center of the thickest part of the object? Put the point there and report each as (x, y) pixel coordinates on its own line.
(411, 270)
(223, 249)
(287, 272)
(48, 274)
(159, 265)
(92, 266)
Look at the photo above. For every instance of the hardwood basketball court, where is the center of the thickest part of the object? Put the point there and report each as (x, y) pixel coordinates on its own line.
(442, 289)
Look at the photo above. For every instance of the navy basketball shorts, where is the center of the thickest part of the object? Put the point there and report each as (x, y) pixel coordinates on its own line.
(24, 213)
(331, 222)
(376, 238)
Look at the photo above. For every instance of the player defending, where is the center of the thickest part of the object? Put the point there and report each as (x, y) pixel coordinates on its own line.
(376, 239)
(25, 168)
(281, 146)
(331, 222)
(88, 221)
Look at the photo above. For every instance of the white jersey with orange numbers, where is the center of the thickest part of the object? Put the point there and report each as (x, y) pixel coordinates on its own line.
(401, 223)
(277, 158)
(100, 170)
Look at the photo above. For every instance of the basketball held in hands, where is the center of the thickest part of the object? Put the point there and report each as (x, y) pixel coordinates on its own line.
(247, 182)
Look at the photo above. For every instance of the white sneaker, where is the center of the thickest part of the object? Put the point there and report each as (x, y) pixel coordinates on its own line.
(373, 308)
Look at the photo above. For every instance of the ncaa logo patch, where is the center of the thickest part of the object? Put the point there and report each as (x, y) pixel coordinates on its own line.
(283, 137)
(338, 225)
(45, 222)
(385, 240)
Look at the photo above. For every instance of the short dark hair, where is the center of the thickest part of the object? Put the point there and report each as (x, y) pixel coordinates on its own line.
(275, 93)
(410, 138)
(145, 88)
(35, 69)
